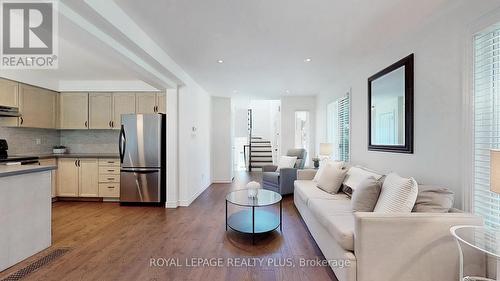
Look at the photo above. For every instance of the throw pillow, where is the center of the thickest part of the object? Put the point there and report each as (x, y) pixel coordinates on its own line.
(365, 197)
(331, 178)
(286, 162)
(356, 175)
(322, 165)
(398, 195)
(433, 199)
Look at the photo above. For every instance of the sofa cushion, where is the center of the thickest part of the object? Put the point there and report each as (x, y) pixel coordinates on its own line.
(307, 189)
(322, 166)
(286, 162)
(433, 199)
(338, 219)
(331, 178)
(366, 196)
(398, 195)
(356, 175)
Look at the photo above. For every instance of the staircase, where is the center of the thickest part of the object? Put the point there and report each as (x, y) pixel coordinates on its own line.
(260, 153)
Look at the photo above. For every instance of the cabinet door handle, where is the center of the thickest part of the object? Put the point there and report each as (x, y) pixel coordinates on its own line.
(109, 124)
(76, 162)
(111, 187)
(86, 123)
(112, 124)
(22, 120)
(111, 170)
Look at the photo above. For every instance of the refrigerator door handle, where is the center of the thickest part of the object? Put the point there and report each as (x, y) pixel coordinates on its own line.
(122, 143)
(140, 171)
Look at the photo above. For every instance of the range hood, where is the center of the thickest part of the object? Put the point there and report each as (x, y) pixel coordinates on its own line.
(7, 111)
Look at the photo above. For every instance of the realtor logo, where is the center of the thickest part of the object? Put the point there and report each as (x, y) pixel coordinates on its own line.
(29, 34)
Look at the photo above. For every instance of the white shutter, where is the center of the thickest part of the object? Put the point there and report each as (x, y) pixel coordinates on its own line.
(344, 126)
(486, 122)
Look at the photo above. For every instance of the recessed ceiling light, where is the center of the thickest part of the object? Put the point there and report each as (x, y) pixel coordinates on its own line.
(220, 61)
(287, 91)
(308, 60)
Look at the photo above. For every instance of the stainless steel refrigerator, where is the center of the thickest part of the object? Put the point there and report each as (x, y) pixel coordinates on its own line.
(142, 148)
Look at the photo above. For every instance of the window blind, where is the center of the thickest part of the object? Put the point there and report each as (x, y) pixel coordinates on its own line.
(486, 122)
(344, 116)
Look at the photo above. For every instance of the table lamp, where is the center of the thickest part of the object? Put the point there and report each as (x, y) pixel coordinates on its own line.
(325, 149)
(495, 170)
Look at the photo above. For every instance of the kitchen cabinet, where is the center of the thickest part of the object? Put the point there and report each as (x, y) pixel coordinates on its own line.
(145, 103)
(67, 177)
(88, 178)
(100, 110)
(123, 103)
(51, 162)
(109, 178)
(38, 107)
(73, 113)
(9, 91)
(150, 103)
(161, 103)
(78, 177)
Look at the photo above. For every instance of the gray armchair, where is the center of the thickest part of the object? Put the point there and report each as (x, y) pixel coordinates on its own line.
(282, 181)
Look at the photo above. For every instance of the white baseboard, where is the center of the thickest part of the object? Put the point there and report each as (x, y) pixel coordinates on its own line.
(186, 203)
(172, 204)
(222, 181)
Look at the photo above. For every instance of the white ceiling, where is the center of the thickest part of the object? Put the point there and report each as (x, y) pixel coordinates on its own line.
(264, 43)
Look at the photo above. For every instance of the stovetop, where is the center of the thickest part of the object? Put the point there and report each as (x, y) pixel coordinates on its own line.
(17, 158)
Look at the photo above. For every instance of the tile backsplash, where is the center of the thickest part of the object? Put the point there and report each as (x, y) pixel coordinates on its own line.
(90, 141)
(30, 141)
(41, 141)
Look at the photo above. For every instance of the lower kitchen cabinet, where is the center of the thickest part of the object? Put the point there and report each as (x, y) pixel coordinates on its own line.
(67, 177)
(88, 177)
(78, 177)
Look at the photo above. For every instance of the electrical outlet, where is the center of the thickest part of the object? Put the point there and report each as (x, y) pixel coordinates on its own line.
(38, 141)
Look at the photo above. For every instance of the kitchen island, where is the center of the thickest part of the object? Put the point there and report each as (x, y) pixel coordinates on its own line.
(25, 212)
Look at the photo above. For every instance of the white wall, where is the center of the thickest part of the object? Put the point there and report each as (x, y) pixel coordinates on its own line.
(194, 145)
(289, 105)
(222, 140)
(439, 48)
(172, 148)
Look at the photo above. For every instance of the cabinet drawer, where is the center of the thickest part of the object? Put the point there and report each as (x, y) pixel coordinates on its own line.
(109, 178)
(109, 162)
(109, 190)
(109, 170)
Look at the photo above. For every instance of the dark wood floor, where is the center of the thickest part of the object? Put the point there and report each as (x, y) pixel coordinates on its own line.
(112, 242)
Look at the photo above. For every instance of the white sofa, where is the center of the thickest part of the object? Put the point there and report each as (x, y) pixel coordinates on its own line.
(382, 247)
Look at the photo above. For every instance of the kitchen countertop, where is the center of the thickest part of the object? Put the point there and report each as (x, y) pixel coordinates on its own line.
(75, 155)
(13, 170)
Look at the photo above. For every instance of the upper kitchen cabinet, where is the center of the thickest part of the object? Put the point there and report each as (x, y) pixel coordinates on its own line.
(38, 107)
(100, 111)
(9, 91)
(161, 103)
(145, 103)
(123, 103)
(74, 110)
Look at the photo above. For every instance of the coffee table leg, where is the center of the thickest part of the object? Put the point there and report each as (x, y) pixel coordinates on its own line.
(281, 216)
(253, 225)
(226, 215)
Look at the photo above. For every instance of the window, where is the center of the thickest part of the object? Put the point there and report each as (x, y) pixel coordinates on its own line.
(338, 127)
(302, 130)
(486, 122)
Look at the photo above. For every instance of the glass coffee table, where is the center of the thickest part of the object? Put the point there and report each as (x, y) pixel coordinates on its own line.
(480, 238)
(254, 218)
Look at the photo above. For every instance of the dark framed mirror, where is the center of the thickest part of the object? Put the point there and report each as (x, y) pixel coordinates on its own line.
(390, 108)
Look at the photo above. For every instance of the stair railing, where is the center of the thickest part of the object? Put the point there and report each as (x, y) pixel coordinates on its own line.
(250, 126)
